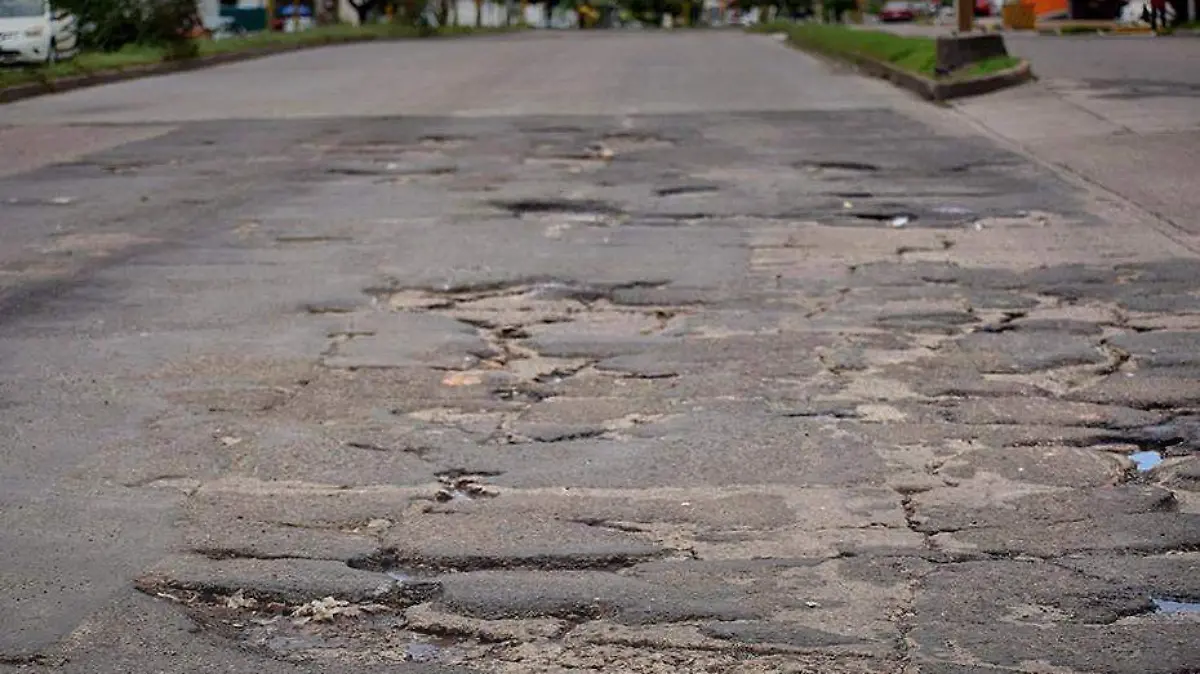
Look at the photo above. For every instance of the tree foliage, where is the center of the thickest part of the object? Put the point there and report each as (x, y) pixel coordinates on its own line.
(112, 24)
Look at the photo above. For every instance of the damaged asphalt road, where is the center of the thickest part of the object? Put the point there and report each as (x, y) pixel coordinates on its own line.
(820, 390)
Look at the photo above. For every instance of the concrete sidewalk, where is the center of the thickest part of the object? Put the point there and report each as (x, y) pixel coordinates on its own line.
(1123, 114)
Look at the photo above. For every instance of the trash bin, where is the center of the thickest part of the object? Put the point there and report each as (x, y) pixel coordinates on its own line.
(249, 19)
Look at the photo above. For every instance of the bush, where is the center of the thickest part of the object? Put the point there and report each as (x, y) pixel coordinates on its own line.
(109, 25)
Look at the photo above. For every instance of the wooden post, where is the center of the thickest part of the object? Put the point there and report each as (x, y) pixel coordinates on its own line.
(966, 15)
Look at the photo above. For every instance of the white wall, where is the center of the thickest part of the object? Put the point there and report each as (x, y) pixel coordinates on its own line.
(493, 13)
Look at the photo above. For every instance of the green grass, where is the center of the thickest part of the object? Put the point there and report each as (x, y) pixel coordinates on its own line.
(914, 54)
(988, 67)
(1186, 27)
(135, 55)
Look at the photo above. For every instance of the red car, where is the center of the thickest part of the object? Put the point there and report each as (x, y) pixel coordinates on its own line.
(897, 11)
(983, 8)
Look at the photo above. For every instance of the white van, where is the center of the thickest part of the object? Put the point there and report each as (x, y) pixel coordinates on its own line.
(33, 31)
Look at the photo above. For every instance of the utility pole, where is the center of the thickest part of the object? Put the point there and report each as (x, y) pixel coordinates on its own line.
(966, 15)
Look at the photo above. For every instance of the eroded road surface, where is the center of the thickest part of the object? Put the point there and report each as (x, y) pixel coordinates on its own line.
(617, 353)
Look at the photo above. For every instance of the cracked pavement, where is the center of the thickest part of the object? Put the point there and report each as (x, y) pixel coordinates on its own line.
(817, 380)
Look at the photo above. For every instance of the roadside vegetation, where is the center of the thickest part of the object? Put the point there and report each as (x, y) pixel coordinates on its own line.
(914, 54)
(134, 55)
(126, 34)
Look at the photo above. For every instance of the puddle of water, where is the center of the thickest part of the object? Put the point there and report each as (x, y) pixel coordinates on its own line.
(421, 652)
(400, 576)
(1146, 460)
(410, 574)
(1172, 606)
(893, 219)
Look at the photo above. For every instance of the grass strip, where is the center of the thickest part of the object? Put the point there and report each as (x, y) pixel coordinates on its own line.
(911, 53)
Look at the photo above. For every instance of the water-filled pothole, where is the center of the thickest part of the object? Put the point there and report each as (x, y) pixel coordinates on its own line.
(421, 652)
(884, 217)
(1162, 605)
(407, 575)
(892, 219)
(1146, 460)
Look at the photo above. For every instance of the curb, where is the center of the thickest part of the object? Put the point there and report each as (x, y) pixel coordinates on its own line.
(1103, 32)
(934, 90)
(59, 85)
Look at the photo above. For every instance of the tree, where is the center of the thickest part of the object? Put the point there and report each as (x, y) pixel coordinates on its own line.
(442, 12)
(112, 24)
(363, 8)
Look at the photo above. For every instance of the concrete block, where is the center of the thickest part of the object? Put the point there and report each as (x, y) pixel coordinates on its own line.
(954, 52)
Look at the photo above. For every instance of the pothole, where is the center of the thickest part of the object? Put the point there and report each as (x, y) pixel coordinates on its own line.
(392, 171)
(683, 190)
(542, 207)
(893, 218)
(331, 308)
(838, 169)
(629, 141)
(312, 238)
(443, 142)
(462, 486)
(1173, 606)
(422, 652)
(1146, 460)
(521, 394)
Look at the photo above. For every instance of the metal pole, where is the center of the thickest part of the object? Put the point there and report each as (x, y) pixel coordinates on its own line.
(966, 15)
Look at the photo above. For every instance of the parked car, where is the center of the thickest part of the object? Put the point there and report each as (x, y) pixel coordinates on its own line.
(897, 11)
(984, 8)
(32, 31)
